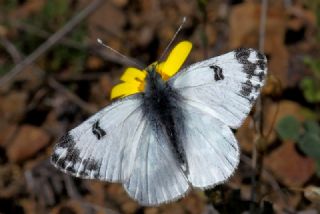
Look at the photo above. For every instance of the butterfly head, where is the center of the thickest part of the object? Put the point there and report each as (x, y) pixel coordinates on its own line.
(133, 79)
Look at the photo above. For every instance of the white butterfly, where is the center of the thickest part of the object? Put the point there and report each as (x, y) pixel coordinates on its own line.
(173, 136)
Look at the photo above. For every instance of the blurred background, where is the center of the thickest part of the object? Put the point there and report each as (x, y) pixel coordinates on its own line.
(53, 75)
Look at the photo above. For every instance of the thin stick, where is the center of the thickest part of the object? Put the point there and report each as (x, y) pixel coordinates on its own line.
(263, 22)
(54, 84)
(75, 45)
(10, 49)
(173, 38)
(257, 156)
(130, 60)
(52, 40)
(77, 100)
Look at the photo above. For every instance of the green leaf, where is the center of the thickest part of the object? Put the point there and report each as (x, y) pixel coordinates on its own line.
(318, 168)
(309, 143)
(312, 126)
(314, 64)
(311, 90)
(288, 128)
(309, 114)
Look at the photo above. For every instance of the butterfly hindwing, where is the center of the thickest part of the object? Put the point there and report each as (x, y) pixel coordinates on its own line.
(226, 86)
(99, 148)
(210, 147)
(157, 177)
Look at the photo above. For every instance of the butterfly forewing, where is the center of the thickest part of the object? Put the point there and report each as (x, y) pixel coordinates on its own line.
(226, 86)
(99, 147)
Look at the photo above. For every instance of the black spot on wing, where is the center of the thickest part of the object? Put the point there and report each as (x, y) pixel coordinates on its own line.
(66, 141)
(97, 130)
(69, 157)
(89, 165)
(246, 88)
(54, 157)
(251, 69)
(218, 73)
(261, 56)
(68, 161)
(261, 76)
(257, 87)
(242, 55)
(73, 155)
(262, 62)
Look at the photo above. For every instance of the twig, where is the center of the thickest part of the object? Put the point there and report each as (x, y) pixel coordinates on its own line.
(52, 40)
(10, 49)
(263, 22)
(98, 208)
(71, 188)
(53, 83)
(257, 154)
(82, 104)
(45, 34)
(268, 176)
(95, 49)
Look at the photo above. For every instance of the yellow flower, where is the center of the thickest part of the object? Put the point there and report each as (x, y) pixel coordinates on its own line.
(133, 79)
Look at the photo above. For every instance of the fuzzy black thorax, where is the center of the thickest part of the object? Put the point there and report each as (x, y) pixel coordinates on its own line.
(162, 107)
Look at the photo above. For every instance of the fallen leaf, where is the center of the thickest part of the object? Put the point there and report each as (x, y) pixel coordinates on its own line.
(244, 32)
(289, 166)
(28, 141)
(7, 133)
(12, 106)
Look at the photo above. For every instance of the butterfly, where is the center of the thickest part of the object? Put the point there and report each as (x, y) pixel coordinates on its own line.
(174, 134)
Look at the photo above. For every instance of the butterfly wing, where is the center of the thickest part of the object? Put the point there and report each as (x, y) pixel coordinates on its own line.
(99, 147)
(210, 147)
(156, 177)
(226, 86)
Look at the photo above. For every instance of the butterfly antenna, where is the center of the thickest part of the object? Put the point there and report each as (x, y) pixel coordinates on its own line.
(121, 55)
(173, 38)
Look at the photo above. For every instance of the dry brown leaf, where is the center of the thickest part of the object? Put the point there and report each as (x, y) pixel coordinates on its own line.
(30, 7)
(94, 62)
(3, 31)
(70, 206)
(194, 203)
(172, 208)
(120, 3)
(151, 210)
(130, 207)
(11, 181)
(7, 133)
(12, 106)
(244, 32)
(289, 166)
(28, 141)
(108, 20)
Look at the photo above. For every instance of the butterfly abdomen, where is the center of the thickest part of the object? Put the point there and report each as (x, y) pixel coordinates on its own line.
(161, 106)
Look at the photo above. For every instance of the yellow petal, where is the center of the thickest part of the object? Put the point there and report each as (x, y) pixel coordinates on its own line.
(134, 79)
(175, 59)
(124, 89)
(133, 75)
